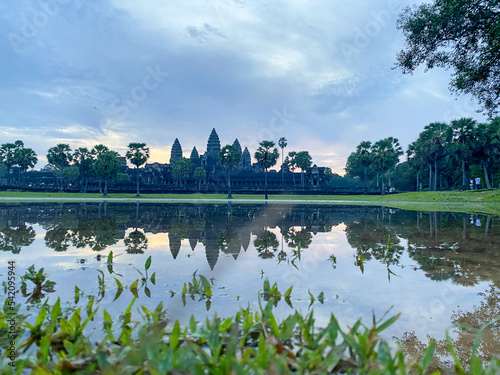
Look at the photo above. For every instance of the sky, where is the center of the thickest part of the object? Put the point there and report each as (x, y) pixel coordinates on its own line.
(319, 73)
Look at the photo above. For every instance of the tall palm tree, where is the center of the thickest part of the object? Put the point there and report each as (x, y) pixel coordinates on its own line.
(60, 156)
(96, 151)
(137, 154)
(266, 156)
(84, 160)
(386, 153)
(229, 157)
(290, 161)
(25, 158)
(8, 155)
(463, 135)
(303, 160)
(282, 143)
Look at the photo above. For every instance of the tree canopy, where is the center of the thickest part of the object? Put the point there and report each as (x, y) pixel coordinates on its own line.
(461, 35)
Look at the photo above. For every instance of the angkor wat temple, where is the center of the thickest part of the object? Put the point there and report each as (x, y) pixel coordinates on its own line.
(245, 176)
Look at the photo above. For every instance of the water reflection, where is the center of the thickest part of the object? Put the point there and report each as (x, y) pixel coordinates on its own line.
(374, 256)
(446, 246)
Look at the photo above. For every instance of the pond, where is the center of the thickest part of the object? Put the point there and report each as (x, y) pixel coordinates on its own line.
(436, 269)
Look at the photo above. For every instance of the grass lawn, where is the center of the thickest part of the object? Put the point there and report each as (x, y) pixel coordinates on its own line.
(476, 201)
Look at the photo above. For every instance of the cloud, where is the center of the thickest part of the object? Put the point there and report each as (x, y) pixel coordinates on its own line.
(119, 71)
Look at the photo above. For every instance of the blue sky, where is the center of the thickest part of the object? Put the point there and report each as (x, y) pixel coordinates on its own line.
(319, 73)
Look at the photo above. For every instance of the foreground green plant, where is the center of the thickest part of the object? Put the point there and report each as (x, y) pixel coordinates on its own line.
(249, 342)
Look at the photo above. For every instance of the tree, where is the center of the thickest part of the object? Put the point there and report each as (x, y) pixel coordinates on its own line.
(303, 160)
(359, 161)
(106, 167)
(463, 136)
(96, 151)
(60, 157)
(459, 35)
(282, 143)
(386, 153)
(487, 148)
(266, 156)
(432, 141)
(290, 162)
(200, 174)
(25, 158)
(8, 155)
(83, 159)
(229, 157)
(181, 169)
(137, 154)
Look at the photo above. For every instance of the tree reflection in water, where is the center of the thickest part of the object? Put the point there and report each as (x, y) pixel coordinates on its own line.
(445, 246)
(467, 324)
(12, 239)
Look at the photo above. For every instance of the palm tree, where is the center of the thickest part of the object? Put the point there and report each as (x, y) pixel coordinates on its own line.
(8, 155)
(106, 167)
(60, 156)
(229, 157)
(290, 161)
(25, 158)
(96, 151)
(137, 154)
(303, 161)
(199, 174)
(83, 159)
(266, 158)
(282, 143)
(386, 153)
(463, 135)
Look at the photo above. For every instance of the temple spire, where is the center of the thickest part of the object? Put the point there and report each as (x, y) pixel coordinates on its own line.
(176, 152)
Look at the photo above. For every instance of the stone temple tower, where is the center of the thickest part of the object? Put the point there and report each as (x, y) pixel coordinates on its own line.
(213, 149)
(176, 152)
(213, 145)
(246, 159)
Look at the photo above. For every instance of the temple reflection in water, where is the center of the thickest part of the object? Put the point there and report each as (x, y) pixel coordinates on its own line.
(454, 246)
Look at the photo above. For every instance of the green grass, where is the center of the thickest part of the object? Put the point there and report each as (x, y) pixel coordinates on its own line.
(476, 201)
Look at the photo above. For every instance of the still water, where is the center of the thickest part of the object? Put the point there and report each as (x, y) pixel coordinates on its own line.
(436, 269)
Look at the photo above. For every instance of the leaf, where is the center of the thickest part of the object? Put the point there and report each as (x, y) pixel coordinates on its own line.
(206, 284)
(147, 291)
(153, 278)
(288, 292)
(174, 336)
(110, 257)
(427, 357)
(148, 263)
(118, 283)
(225, 325)
(133, 288)
(321, 297)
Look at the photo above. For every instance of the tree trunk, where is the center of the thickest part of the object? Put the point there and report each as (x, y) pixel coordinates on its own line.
(265, 188)
(430, 177)
(378, 173)
(418, 180)
(486, 177)
(105, 188)
(383, 185)
(464, 177)
(86, 184)
(62, 178)
(293, 176)
(435, 175)
(364, 181)
(138, 194)
(229, 196)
